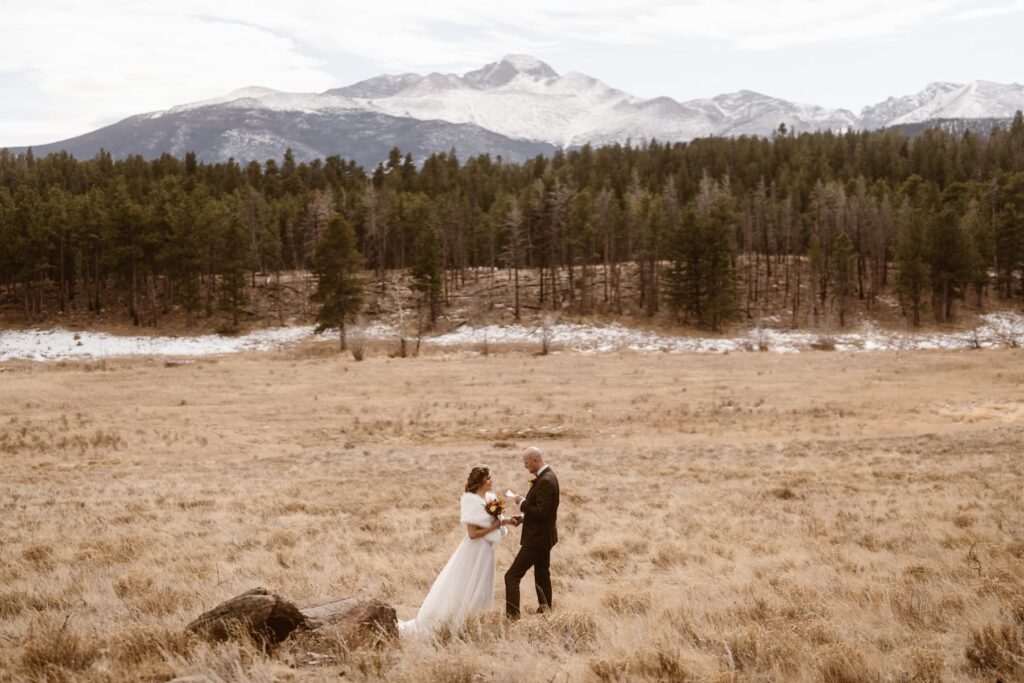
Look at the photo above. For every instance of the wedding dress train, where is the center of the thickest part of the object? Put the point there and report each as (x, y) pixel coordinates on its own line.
(466, 584)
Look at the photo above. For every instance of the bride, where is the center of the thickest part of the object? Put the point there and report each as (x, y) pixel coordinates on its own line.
(466, 584)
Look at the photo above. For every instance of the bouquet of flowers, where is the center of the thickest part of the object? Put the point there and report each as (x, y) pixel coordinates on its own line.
(495, 507)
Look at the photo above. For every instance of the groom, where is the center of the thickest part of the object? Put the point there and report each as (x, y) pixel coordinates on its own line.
(539, 514)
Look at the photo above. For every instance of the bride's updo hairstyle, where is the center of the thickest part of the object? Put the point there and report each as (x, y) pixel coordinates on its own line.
(477, 475)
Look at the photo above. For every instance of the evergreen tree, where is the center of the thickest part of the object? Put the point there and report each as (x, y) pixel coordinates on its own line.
(818, 263)
(183, 257)
(977, 236)
(684, 284)
(701, 280)
(515, 247)
(233, 258)
(428, 271)
(1009, 232)
(720, 280)
(843, 265)
(9, 257)
(339, 289)
(911, 263)
(121, 233)
(949, 261)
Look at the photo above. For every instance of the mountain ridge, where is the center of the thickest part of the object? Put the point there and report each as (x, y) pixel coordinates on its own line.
(513, 107)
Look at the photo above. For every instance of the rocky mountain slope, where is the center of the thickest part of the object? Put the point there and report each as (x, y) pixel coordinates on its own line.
(516, 107)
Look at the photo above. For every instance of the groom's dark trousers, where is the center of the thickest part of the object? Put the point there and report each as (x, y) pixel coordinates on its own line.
(540, 534)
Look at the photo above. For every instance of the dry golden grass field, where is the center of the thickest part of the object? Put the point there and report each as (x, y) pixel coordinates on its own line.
(764, 517)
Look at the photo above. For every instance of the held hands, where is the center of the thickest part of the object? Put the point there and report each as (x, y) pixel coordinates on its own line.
(515, 520)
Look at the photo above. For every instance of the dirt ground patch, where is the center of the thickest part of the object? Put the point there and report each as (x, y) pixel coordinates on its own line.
(745, 516)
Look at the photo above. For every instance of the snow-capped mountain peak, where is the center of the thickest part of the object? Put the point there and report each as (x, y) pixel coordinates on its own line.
(508, 68)
(881, 114)
(529, 64)
(977, 99)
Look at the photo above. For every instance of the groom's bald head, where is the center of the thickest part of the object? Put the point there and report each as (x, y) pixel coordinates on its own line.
(533, 459)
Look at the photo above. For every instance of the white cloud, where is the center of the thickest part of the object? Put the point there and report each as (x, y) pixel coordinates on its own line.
(992, 11)
(404, 32)
(793, 22)
(99, 65)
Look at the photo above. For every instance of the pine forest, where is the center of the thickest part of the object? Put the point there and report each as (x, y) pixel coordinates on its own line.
(704, 233)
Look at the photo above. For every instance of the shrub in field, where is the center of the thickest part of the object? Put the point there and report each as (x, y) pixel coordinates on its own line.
(57, 653)
(999, 649)
(12, 603)
(824, 343)
(453, 670)
(659, 662)
(624, 602)
(572, 631)
(841, 664)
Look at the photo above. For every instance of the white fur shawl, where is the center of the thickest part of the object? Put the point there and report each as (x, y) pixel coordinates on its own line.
(473, 512)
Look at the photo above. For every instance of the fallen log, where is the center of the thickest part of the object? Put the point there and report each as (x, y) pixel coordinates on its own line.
(271, 618)
(359, 622)
(258, 612)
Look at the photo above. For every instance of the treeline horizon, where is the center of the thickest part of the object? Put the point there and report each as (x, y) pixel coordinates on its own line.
(831, 216)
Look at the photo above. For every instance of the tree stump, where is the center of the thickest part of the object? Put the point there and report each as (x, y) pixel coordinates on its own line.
(359, 622)
(263, 615)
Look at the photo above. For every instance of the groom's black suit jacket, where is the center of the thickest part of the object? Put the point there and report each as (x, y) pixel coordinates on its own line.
(541, 512)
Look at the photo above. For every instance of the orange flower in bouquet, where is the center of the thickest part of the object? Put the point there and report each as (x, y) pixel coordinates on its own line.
(495, 507)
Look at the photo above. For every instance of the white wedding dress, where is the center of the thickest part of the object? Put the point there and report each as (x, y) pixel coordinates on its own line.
(466, 584)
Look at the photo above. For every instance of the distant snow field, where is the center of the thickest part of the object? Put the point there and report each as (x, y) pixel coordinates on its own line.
(997, 330)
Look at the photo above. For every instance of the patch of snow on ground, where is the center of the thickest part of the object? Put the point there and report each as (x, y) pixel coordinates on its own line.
(997, 330)
(59, 344)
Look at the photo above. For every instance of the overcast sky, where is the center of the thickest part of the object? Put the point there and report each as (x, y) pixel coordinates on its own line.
(70, 66)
